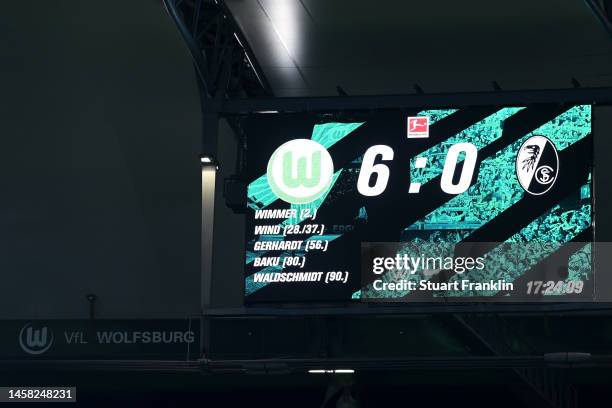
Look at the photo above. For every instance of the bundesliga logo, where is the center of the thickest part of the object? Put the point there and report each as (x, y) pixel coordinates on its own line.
(537, 165)
(418, 127)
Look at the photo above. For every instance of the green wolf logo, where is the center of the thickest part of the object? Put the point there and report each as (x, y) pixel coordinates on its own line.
(300, 171)
(301, 179)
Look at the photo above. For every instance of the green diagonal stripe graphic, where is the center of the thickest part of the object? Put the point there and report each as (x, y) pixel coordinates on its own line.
(510, 264)
(480, 134)
(491, 195)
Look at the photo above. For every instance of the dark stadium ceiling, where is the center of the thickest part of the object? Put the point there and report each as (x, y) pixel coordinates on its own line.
(309, 47)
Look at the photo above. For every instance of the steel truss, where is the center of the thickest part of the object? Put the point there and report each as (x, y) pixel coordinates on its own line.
(601, 95)
(223, 61)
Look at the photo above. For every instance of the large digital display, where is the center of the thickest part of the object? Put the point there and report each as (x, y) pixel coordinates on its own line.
(471, 204)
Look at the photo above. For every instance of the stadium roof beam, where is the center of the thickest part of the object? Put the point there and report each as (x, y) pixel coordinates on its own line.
(342, 103)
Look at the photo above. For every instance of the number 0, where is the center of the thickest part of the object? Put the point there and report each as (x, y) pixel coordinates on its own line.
(469, 164)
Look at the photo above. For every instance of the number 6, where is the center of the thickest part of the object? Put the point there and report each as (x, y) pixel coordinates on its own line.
(368, 168)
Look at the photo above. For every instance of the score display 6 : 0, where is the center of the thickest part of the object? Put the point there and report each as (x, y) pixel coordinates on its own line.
(369, 167)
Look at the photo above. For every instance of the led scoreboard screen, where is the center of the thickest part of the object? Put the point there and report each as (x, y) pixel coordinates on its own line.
(468, 204)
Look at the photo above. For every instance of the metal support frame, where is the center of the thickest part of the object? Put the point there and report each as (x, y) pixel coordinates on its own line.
(224, 68)
(301, 365)
(370, 309)
(601, 95)
(297, 365)
(223, 61)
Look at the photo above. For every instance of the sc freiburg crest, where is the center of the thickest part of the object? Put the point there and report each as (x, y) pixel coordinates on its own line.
(537, 165)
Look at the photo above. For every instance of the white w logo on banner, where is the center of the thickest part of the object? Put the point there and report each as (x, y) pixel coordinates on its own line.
(35, 340)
